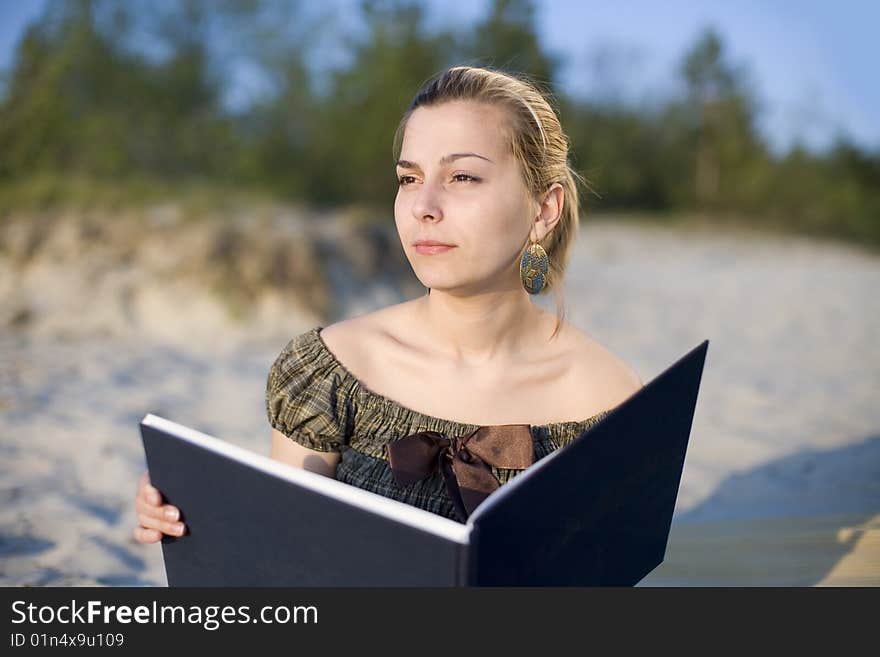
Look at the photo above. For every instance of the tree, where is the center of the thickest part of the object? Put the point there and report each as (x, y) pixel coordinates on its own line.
(722, 111)
(351, 145)
(506, 39)
(64, 92)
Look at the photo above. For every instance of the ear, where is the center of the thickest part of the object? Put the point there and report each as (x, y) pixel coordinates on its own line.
(549, 211)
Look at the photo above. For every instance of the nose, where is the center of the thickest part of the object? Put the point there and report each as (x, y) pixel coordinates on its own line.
(427, 204)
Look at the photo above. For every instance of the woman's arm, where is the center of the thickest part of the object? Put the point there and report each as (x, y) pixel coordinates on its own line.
(289, 451)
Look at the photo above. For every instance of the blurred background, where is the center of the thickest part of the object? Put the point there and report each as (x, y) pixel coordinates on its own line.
(186, 185)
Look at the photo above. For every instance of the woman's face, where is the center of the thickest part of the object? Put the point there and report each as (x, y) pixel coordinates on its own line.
(459, 185)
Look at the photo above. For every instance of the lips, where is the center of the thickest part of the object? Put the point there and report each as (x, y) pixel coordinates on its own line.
(430, 243)
(431, 247)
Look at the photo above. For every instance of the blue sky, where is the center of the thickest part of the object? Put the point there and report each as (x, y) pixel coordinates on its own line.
(812, 63)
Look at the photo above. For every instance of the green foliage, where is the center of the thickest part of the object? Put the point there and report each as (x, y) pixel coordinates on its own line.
(87, 118)
(351, 155)
(506, 39)
(194, 198)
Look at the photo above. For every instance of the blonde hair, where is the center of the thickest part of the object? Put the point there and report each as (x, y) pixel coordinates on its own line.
(536, 140)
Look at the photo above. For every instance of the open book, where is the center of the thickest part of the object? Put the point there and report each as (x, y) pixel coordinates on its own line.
(595, 512)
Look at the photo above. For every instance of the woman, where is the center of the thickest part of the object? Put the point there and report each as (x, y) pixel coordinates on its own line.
(484, 177)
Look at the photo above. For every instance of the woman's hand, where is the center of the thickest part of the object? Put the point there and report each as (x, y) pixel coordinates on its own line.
(154, 518)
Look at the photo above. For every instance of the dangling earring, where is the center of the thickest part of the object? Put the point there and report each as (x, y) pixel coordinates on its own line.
(533, 268)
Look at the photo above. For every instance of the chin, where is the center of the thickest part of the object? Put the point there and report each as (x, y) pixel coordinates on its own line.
(437, 278)
(455, 289)
(441, 285)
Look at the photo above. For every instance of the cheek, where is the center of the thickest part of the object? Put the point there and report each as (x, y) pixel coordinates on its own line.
(399, 211)
(508, 219)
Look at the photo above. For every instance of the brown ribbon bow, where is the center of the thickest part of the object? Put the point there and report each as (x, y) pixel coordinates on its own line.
(465, 461)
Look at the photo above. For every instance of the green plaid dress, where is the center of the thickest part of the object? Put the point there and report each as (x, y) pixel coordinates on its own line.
(313, 399)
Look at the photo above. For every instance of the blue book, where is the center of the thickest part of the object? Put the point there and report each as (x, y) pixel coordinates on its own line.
(596, 512)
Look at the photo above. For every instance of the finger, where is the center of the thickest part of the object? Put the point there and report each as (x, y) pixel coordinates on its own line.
(164, 512)
(144, 506)
(144, 535)
(148, 535)
(145, 488)
(170, 513)
(167, 512)
(150, 494)
(170, 528)
(148, 510)
(153, 495)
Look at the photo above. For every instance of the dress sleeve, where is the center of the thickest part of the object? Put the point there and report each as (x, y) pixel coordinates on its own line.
(308, 396)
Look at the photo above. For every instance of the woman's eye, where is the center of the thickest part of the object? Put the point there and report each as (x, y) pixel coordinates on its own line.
(458, 177)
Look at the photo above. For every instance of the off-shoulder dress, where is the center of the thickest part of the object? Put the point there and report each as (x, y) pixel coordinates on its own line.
(313, 399)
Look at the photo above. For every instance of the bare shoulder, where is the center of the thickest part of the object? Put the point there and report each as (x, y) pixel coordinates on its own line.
(598, 371)
(344, 339)
(357, 340)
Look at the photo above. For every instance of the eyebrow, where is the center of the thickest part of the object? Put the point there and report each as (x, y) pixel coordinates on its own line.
(446, 159)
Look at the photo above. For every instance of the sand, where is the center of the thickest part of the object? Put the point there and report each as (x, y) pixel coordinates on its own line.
(781, 484)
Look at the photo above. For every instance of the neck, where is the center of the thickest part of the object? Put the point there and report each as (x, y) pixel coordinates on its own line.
(483, 328)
